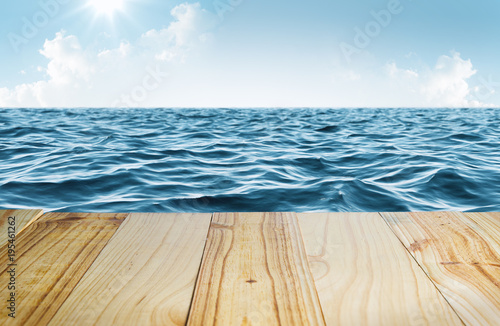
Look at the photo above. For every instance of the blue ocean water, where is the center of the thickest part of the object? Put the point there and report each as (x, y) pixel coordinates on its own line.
(207, 160)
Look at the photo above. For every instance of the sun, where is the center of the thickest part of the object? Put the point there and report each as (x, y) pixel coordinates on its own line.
(108, 7)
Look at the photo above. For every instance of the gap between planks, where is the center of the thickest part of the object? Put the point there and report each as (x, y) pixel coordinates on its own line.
(255, 272)
(482, 228)
(52, 254)
(365, 276)
(419, 265)
(23, 219)
(145, 275)
(460, 252)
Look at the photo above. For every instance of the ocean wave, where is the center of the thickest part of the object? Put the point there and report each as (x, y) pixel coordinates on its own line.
(206, 160)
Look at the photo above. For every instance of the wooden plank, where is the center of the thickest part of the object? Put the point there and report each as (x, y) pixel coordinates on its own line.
(23, 218)
(460, 256)
(489, 223)
(364, 275)
(255, 272)
(52, 255)
(12, 222)
(144, 276)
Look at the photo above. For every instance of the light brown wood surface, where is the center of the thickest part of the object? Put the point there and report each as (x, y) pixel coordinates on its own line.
(23, 218)
(255, 272)
(431, 268)
(53, 253)
(144, 276)
(461, 256)
(364, 276)
(490, 223)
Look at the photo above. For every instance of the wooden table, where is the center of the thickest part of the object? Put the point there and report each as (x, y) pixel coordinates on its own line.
(432, 268)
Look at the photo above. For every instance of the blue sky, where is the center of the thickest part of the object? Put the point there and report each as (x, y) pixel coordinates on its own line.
(242, 53)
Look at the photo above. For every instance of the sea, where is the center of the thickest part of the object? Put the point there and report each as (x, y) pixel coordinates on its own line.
(246, 160)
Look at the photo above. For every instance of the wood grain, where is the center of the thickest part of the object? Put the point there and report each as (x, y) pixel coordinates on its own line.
(364, 275)
(490, 223)
(255, 272)
(461, 256)
(144, 276)
(23, 218)
(53, 253)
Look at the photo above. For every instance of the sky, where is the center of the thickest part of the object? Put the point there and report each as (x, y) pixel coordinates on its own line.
(242, 53)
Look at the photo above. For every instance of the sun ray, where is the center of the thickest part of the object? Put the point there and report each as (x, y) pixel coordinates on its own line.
(106, 7)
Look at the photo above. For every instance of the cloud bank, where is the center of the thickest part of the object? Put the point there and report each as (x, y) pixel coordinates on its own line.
(446, 84)
(156, 70)
(122, 76)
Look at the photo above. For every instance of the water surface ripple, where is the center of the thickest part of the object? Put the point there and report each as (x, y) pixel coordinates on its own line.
(207, 160)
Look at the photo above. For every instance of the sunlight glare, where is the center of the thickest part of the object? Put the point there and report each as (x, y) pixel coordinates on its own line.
(107, 7)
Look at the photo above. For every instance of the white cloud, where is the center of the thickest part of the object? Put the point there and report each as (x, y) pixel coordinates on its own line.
(395, 72)
(191, 27)
(446, 84)
(150, 72)
(67, 59)
(77, 76)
